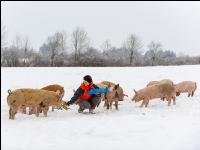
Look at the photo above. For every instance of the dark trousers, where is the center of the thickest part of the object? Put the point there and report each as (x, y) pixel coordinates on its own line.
(91, 103)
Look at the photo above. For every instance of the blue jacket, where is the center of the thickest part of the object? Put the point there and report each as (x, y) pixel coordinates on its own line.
(97, 90)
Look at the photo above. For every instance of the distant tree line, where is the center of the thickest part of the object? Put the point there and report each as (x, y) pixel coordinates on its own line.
(60, 51)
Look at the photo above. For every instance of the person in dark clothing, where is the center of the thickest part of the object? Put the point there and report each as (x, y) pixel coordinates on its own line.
(83, 96)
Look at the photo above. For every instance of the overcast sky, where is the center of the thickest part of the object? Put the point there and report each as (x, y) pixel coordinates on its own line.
(175, 24)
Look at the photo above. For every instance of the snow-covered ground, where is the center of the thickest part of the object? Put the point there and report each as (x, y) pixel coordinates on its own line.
(131, 128)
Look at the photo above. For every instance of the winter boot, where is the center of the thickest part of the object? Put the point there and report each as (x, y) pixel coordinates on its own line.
(80, 110)
(91, 110)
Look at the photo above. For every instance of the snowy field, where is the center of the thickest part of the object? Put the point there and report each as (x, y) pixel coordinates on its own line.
(131, 128)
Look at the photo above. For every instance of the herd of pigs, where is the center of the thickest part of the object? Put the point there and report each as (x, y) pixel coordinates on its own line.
(39, 100)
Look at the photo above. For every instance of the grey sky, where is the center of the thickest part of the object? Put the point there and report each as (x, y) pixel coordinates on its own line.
(175, 24)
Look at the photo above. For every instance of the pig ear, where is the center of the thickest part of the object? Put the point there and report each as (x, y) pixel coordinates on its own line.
(116, 86)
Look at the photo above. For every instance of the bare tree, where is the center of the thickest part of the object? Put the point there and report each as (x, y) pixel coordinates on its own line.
(115, 57)
(80, 42)
(133, 45)
(11, 57)
(26, 48)
(21, 44)
(106, 45)
(91, 57)
(53, 44)
(56, 45)
(154, 49)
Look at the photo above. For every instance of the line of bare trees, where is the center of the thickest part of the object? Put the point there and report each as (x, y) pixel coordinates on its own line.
(58, 50)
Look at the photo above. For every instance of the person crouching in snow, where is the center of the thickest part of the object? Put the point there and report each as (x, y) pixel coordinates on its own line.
(87, 96)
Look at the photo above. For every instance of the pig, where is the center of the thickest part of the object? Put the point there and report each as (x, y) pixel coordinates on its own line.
(186, 87)
(36, 98)
(158, 82)
(55, 88)
(155, 91)
(120, 90)
(112, 96)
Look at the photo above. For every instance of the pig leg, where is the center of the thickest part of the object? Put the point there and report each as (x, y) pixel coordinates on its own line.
(32, 110)
(169, 101)
(104, 99)
(116, 104)
(29, 111)
(111, 104)
(146, 103)
(52, 108)
(174, 100)
(13, 112)
(37, 111)
(143, 102)
(45, 110)
(23, 109)
(162, 98)
(192, 93)
(188, 94)
(107, 103)
(10, 113)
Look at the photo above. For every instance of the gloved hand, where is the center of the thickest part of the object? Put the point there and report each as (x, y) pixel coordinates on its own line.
(66, 105)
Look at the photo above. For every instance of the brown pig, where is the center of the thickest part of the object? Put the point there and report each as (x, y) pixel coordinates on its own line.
(155, 91)
(112, 96)
(53, 87)
(32, 98)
